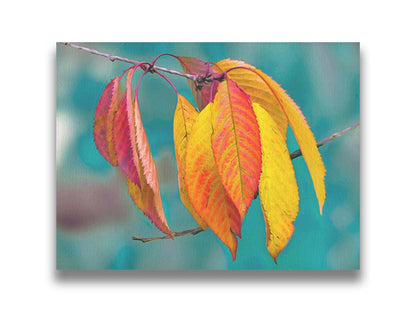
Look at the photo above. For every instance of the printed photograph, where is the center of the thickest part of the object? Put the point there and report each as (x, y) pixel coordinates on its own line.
(207, 156)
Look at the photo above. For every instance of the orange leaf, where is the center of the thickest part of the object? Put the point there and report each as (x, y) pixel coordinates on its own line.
(277, 187)
(236, 144)
(103, 121)
(184, 119)
(255, 87)
(135, 160)
(205, 189)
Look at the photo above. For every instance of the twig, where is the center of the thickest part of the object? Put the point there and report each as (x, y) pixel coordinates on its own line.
(113, 58)
(175, 234)
(298, 152)
(294, 155)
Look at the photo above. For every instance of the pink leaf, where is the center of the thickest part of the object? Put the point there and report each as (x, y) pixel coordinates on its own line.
(103, 121)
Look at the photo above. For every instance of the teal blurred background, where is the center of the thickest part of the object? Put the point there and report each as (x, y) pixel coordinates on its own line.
(96, 217)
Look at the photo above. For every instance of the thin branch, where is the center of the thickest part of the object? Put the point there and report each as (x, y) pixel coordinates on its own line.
(294, 155)
(113, 58)
(175, 234)
(298, 152)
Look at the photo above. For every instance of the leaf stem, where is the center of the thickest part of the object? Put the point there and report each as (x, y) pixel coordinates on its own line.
(164, 77)
(293, 155)
(138, 83)
(178, 59)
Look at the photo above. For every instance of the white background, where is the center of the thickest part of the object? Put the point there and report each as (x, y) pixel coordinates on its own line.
(30, 30)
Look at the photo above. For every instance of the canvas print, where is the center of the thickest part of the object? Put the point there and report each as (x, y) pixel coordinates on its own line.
(208, 156)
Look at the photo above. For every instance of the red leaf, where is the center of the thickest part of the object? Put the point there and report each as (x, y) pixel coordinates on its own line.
(135, 160)
(123, 144)
(201, 91)
(103, 121)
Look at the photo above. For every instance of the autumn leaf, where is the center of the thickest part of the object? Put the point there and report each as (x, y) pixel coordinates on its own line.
(135, 160)
(236, 144)
(277, 187)
(123, 144)
(103, 121)
(200, 90)
(206, 192)
(183, 122)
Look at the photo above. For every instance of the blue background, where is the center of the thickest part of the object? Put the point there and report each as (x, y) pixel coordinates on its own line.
(96, 217)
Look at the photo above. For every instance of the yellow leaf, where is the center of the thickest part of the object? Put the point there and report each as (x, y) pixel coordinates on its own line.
(278, 190)
(206, 192)
(255, 87)
(183, 121)
(304, 137)
(274, 99)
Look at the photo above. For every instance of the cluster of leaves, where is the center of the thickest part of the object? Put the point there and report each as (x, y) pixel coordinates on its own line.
(228, 151)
